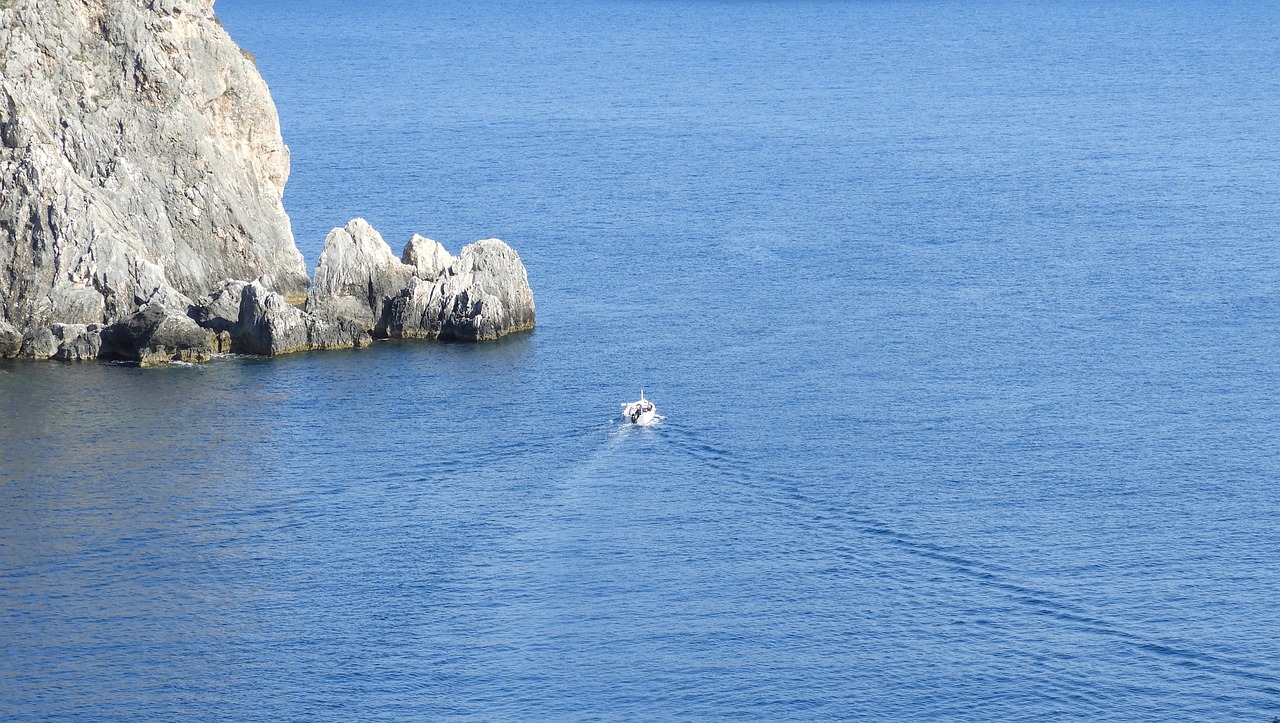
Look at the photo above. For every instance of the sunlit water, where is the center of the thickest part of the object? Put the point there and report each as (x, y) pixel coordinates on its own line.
(963, 318)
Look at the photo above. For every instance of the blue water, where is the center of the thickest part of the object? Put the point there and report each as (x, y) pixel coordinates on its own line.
(965, 319)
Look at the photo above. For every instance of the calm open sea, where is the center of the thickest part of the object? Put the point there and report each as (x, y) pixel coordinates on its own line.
(965, 319)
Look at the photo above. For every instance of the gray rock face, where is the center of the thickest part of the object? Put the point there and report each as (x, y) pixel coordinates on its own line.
(270, 325)
(141, 167)
(77, 342)
(39, 344)
(10, 340)
(219, 311)
(340, 334)
(357, 276)
(483, 295)
(140, 152)
(156, 335)
(428, 258)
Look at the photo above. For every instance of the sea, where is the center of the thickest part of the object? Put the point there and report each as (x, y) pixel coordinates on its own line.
(963, 319)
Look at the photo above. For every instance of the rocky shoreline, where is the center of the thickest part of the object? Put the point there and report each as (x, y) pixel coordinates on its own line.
(142, 173)
(363, 292)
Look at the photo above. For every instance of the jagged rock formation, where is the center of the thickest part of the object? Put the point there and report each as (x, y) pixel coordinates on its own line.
(220, 309)
(158, 335)
(141, 167)
(140, 154)
(77, 342)
(363, 292)
(268, 324)
(428, 258)
(357, 276)
(482, 295)
(39, 343)
(10, 340)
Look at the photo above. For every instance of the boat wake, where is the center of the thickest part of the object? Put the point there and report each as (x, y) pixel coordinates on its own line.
(782, 491)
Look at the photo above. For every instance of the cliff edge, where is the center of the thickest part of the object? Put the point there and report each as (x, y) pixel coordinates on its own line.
(140, 154)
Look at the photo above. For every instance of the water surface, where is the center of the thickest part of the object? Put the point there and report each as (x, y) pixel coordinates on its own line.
(963, 318)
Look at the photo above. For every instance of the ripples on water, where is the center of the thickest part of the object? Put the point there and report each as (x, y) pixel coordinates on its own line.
(962, 318)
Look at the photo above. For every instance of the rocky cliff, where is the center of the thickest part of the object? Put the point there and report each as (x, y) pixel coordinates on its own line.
(481, 294)
(142, 168)
(362, 292)
(141, 156)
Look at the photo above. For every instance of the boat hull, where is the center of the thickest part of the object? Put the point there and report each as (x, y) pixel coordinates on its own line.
(642, 412)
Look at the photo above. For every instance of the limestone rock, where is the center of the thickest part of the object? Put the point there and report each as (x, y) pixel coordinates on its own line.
(156, 335)
(483, 295)
(10, 340)
(338, 334)
(428, 258)
(39, 343)
(219, 310)
(270, 325)
(77, 342)
(140, 153)
(357, 276)
(141, 167)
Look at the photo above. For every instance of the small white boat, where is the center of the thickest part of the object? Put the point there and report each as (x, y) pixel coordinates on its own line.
(642, 412)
